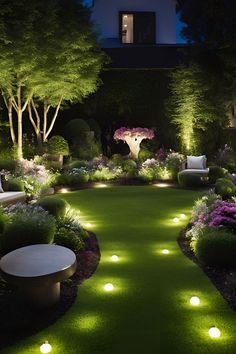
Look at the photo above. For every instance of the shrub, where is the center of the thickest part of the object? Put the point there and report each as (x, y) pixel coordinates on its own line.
(216, 247)
(68, 238)
(174, 162)
(163, 173)
(147, 174)
(7, 164)
(14, 184)
(105, 174)
(224, 215)
(117, 159)
(129, 165)
(28, 225)
(216, 172)
(225, 188)
(57, 145)
(189, 179)
(76, 128)
(55, 206)
(145, 154)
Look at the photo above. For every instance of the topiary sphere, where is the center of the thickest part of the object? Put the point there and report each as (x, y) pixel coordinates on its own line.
(76, 128)
(55, 206)
(57, 145)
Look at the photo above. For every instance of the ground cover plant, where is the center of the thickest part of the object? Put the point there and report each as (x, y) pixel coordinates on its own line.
(150, 301)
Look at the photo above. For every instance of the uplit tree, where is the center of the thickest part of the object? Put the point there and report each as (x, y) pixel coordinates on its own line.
(133, 138)
(48, 57)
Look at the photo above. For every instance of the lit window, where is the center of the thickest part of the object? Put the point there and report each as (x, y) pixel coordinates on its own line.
(127, 28)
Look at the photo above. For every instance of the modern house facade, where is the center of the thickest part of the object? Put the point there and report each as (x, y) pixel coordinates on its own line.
(136, 22)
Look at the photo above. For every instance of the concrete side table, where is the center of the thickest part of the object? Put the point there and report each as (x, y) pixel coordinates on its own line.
(37, 271)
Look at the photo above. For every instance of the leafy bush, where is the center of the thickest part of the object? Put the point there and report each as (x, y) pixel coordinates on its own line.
(174, 162)
(76, 129)
(225, 188)
(163, 173)
(216, 172)
(68, 238)
(129, 165)
(216, 247)
(28, 225)
(189, 179)
(117, 159)
(147, 174)
(57, 145)
(14, 184)
(145, 154)
(55, 206)
(7, 164)
(223, 215)
(105, 174)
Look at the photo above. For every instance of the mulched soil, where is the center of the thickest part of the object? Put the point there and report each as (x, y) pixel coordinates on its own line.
(19, 321)
(224, 279)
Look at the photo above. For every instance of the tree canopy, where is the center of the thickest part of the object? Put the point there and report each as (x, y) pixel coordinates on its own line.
(48, 57)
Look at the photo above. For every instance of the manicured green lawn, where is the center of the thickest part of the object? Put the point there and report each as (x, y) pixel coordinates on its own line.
(148, 311)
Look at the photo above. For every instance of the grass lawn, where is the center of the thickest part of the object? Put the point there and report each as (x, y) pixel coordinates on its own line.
(149, 310)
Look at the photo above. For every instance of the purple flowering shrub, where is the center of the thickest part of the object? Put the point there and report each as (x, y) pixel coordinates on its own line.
(224, 215)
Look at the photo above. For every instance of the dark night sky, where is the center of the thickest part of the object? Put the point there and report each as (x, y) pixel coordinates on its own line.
(178, 26)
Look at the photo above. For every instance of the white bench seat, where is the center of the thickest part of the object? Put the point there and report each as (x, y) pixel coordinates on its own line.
(11, 197)
(202, 172)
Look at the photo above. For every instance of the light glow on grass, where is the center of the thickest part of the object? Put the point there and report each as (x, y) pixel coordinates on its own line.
(88, 323)
(195, 301)
(108, 287)
(64, 190)
(114, 258)
(165, 251)
(88, 224)
(214, 332)
(161, 185)
(101, 185)
(176, 220)
(45, 348)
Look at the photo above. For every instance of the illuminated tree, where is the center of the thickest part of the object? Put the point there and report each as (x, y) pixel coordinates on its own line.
(133, 138)
(48, 58)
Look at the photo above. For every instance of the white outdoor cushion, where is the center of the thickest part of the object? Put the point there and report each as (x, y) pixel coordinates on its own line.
(196, 162)
(204, 171)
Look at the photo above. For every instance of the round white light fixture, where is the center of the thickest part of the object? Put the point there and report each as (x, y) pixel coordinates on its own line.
(214, 332)
(45, 348)
(114, 258)
(183, 216)
(195, 301)
(88, 224)
(161, 185)
(176, 220)
(165, 251)
(101, 185)
(108, 287)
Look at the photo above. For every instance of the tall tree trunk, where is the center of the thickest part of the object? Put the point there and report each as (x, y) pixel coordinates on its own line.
(47, 130)
(11, 126)
(19, 126)
(36, 125)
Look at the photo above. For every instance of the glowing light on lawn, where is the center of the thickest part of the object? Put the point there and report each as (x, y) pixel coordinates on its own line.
(195, 301)
(101, 185)
(45, 348)
(176, 220)
(183, 216)
(88, 224)
(165, 251)
(114, 258)
(214, 332)
(64, 190)
(108, 287)
(161, 185)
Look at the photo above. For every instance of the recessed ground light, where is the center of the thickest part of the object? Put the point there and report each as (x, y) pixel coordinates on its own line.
(214, 332)
(176, 220)
(64, 190)
(195, 301)
(45, 348)
(114, 258)
(161, 185)
(108, 287)
(165, 251)
(183, 216)
(88, 224)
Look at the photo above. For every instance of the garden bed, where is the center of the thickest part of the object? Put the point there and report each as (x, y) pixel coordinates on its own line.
(18, 320)
(224, 279)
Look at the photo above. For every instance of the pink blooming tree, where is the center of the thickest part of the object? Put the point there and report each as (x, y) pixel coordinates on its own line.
(133, 137)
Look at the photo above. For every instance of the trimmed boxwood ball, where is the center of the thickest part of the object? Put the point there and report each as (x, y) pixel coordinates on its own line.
(55, 206)
(216, 172)
(57, 145)
(216, 247)
(225, 188)
(190, 179)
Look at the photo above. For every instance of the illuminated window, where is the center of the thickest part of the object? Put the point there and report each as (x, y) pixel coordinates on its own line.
(138, 27)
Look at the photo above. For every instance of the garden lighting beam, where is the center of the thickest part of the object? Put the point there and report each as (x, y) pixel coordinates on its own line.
(165, 251)
(114, 258)
(45, 348)
(214, 332)
(176, 220)
(195, 301)
(108, 287)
